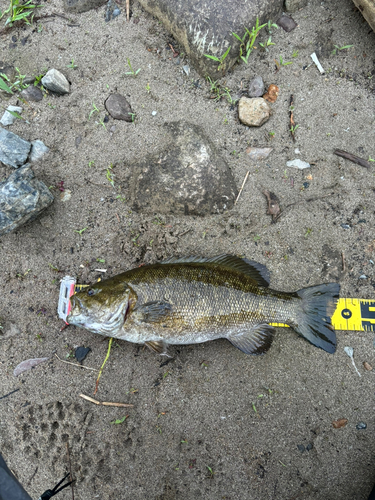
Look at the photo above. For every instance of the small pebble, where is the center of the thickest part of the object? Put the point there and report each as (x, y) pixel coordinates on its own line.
(56, 81)
(256, 87)
(360, 426)
(81, 353)
(286, 23)
(154, 113)
(363, 277)
(297, 163)
(306, 185)
(119, 108)
(345, 226)
(301, 448)
(186, 68)
(38, 149)
(32, 93)
(309, 447)
(65, 195)
(8, 118)
(367, 366)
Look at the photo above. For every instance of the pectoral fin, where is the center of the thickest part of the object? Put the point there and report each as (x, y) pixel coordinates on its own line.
(255, 339)
(157, 346)
(152, 312)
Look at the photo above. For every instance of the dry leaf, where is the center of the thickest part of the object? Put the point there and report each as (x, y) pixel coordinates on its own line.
(339, 423)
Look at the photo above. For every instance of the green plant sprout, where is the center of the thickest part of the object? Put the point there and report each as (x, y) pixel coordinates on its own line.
(91, 163)
(293, 129)
(110, 175)
(295, 53)
(72, 65)
(270, 25)
(266, 44)
(148, 88)
(80, 231)
(94, 110)
(370, 159)
(247, 47)
(101, 122)
(120, 420)
(220, 60)
(282, 63)
(132, 72)
(308, 232)
(271, 134)
(337, 48)
(18, 12)
(132, 116)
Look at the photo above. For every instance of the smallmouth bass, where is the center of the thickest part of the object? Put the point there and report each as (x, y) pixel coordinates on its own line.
(192, 300)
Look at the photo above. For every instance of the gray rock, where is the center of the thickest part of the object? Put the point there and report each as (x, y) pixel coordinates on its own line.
(22, 198)
(111, 11)
(206, 26)
(256, 87)
(253, 112)
(56, 81)
(293, 5)
(286, 23)
(13, 150)
(8, 118)
(38, 149)
(119, 108)
(189, 177)
(258, 153)
(82, 5)
(32, 93)
(297, 163)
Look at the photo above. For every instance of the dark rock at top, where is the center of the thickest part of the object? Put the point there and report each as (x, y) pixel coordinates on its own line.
(22, 198)
(119, 108)
(188, 177)
(206, 26)
(82, 5)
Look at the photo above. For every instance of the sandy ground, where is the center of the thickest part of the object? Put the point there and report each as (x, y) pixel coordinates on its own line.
(213, 423)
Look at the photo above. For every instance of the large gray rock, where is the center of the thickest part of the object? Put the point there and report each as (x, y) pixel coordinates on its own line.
(82, 5)
(13, 150)
(189, 177)
(206, 26)
(22, 198)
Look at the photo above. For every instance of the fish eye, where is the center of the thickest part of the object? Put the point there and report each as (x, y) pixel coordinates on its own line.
(91, 292)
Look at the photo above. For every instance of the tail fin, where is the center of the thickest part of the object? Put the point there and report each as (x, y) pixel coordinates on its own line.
(314, 318)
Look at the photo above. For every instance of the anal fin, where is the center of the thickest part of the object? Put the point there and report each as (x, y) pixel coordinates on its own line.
(255, 339)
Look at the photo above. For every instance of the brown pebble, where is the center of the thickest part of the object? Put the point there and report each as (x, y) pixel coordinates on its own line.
(367, 366)
(272, 93)
(339, 423)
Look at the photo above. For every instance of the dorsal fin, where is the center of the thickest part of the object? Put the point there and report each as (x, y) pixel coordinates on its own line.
(257, 271)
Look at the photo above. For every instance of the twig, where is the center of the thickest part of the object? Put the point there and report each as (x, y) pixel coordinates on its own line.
(343, 262)
(9, 393)
(292, 123)
(101, 368)
(185, 232)
(353, 158)
(75, 364)
(70, 470)
(243, 184)
(105, 403)
(127, 10)
(171, 46)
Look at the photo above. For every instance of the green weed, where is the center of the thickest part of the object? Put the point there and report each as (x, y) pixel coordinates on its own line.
(132, 72)
(220, 60)
(72, 65)
(248, 40)
(337, 48)
(19, 11)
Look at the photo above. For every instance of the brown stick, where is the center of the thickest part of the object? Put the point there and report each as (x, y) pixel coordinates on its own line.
(353, 158)
(292, 124)
(127, 10)
(105, 403)
(343, 262)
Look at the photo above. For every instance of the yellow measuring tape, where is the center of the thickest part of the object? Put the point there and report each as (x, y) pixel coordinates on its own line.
(352, 314)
